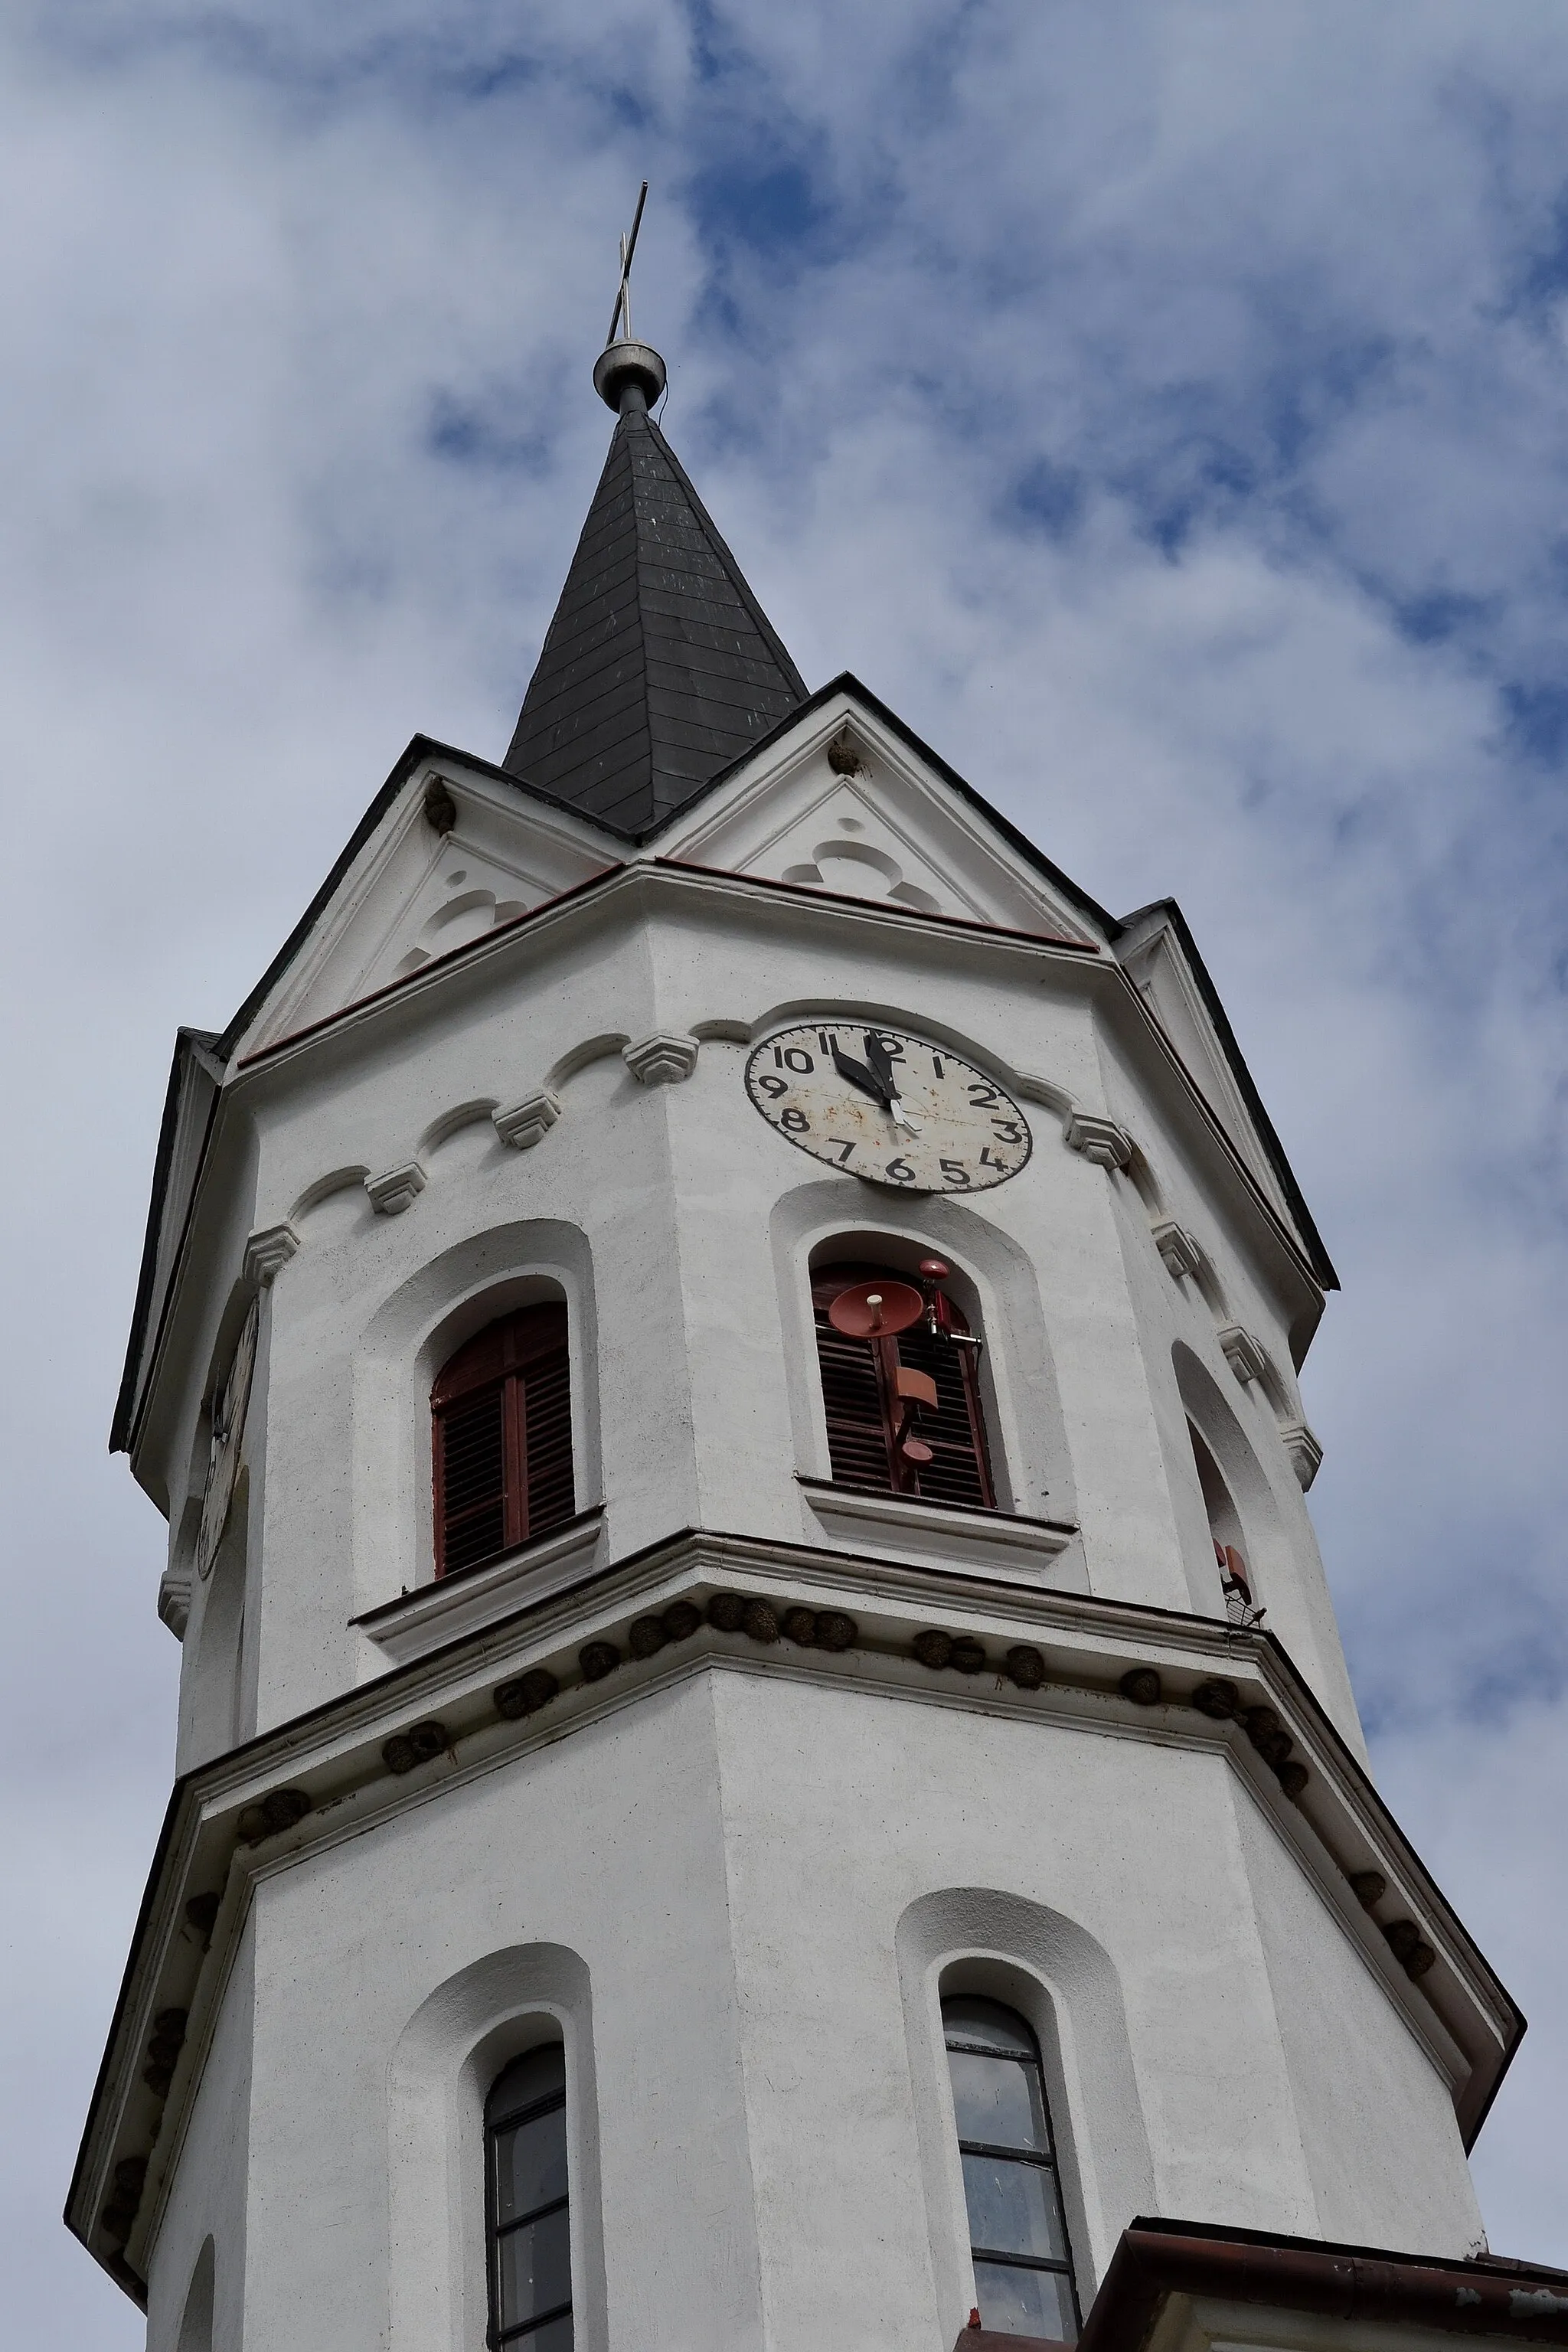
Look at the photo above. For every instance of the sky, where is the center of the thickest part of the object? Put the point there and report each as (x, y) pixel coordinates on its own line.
(1161, 407)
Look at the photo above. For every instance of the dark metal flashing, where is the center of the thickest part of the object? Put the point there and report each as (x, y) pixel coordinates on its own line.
(1243, 1077)
(660, 668)
(188, 1043)
(1358, 2286)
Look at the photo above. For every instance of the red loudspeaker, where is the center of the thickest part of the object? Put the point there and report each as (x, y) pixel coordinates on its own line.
(875, 1310)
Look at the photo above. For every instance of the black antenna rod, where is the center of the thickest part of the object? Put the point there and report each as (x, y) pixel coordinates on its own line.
(623, 293)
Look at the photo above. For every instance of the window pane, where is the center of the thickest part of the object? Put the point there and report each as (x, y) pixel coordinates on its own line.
(531, 2164)
(1025, 2303)
(966, 2018)
(526, 2081)
(1013, 2207)
(556, 2336)
(997, 2100)
(535, 2264)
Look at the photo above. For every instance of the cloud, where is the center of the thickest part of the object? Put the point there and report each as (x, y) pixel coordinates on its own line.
(1161, 407)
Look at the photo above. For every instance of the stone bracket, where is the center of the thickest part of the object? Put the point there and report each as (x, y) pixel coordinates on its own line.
(527, 1122)
(397, 1190)
(663, 1059)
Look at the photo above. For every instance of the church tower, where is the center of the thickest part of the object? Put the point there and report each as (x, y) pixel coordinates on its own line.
(764, 1761)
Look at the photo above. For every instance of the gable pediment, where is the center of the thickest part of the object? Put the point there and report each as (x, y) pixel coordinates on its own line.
(1163, 968)
(457, 853)
(840, 802)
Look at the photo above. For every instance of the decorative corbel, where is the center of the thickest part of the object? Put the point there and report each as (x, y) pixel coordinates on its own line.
(1176, 1246)
(1303, 1449)
(1243, 1354)
(527, 1122)
(268, 1251)
(661, 1060)
(1100, 1140)
(397, 1190)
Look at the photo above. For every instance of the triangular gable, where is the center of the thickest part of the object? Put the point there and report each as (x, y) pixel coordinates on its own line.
(844, 799)
(1160, 956)
(457, 851)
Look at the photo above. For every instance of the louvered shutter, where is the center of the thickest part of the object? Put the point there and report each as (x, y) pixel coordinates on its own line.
(859, 1396)
(502, 1427)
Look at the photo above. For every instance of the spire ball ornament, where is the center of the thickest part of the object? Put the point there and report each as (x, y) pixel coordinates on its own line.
(631, 370)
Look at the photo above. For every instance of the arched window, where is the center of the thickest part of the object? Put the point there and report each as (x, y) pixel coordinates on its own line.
(872, 1418)
(1224, 1533)
(502, 1414)
(527, 2221)
(1023, 2263)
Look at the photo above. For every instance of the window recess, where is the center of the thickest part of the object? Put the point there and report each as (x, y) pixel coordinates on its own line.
(1023, 2263)
(528, 2231)
(903, 1408)
(501, 1414)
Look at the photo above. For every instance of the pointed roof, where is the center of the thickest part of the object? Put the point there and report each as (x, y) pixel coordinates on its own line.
(660, 668)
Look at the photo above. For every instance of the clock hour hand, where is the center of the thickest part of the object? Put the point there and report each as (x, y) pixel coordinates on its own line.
(859, 1075)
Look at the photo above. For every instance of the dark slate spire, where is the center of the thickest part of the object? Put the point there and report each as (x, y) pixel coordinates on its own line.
(660, 667)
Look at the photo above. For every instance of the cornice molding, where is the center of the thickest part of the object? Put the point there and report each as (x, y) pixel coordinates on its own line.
(556, 1664)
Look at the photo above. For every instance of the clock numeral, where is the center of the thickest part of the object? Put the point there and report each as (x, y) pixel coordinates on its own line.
(796, 1058)
(826, 1043)
(898, 1171)
(1007, 1130)
(955, 1171)
(983, 1096)
(936, 1066)
(844, 1149)
(892, 1046)
(988, 1159)
(768, 1084)
(795, 1123)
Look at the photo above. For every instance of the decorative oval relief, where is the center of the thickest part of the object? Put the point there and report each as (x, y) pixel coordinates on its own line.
(853, 869)
(465, 917)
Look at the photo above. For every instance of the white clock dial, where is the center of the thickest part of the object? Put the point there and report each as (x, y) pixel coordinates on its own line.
(888, 1106)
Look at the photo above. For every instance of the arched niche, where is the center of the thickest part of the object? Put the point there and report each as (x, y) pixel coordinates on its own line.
(995, 1283)
(449, 2052)
(1063, 1981)
(196, 2319)
(1220, 1491)
(404, 1343)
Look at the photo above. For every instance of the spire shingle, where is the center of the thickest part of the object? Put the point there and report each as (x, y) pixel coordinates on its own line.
(659, 668)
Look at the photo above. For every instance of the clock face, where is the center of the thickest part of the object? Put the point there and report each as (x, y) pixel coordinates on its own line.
(888, 1107)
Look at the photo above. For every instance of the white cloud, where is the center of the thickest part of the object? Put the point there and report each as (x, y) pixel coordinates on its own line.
(296, 443)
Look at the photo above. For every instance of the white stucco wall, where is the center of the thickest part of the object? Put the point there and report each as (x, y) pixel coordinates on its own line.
(736, 1898)
(679, 1226)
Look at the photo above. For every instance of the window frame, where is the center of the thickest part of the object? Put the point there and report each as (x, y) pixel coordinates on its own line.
(1047, 2160)
(536, 1334)
(497, 2338)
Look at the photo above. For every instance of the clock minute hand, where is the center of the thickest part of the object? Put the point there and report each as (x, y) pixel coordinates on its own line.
(881, 1063)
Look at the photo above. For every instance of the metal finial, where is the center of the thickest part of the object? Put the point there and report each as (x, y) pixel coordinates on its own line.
(627, 374)
(622, 309)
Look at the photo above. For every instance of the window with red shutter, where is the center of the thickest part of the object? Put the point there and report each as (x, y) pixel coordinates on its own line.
(866, 1423)
(501, 1410)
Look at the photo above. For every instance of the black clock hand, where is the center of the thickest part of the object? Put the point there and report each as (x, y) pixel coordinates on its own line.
(881, 1063)
(859, 1075)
